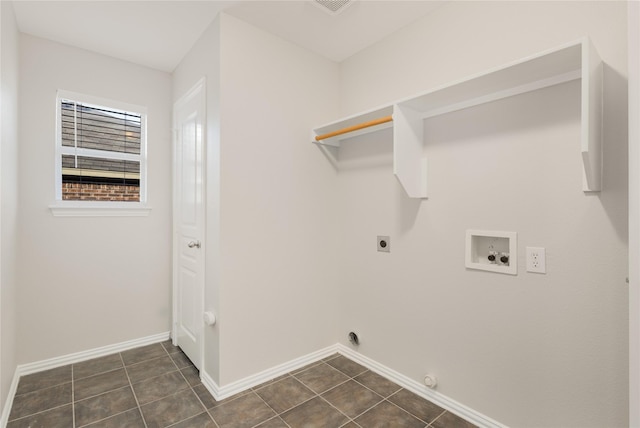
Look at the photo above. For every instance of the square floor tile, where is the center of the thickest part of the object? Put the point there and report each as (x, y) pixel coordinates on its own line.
(40, 400)
(377, 383)
(346, 366)
(416, 405)
(285, 394)
(181, 360)
(314, 413)
(45, 379)
(321, 378)
(98, 384)
(102, 406)
(205, 396)
(143, 353)
(97, 366)
(150, 368)
(386, 415)
(192, 375)
(351, 398)
(170, 347)
(60, 417)
(159, 387)
(174, 408)
(243, 412)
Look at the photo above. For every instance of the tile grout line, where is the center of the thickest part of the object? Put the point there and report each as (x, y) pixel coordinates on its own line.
(350, 419)
(99, 374)
(407, 411)
(316, 395)
(106, 418)
(437, 417)
(362, 384)
(277, 415)
(38, 413)
(319, 394)
(135, 397)
(383, 398)
(191, 387)
(199, 400)
(334, 387)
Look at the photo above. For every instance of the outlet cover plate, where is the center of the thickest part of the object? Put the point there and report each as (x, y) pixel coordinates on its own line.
(536, 260)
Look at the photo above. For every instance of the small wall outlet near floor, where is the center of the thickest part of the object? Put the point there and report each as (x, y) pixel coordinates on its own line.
(536, 262)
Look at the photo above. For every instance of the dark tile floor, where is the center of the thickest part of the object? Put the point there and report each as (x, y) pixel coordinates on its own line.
(157, 386)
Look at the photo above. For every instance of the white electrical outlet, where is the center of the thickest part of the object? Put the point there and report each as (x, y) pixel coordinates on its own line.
(536, 260)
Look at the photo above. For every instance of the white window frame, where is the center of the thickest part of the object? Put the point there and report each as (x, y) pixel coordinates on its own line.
(99, 208)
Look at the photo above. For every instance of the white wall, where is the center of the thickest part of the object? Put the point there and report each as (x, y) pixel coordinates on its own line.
(9, 196)
(89, 282)
(278, 202)
(271, 217)
(526, 350)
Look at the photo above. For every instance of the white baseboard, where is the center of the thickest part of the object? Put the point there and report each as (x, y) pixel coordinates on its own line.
(220, 393)
(52, 363)
(4, 418)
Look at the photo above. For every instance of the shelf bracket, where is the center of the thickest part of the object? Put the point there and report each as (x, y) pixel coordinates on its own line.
(591, 117)
(409, 162)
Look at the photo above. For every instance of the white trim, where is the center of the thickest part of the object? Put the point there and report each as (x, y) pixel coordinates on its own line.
(72, 209)
(222, 392)
(210, 385)
(6, 410)
(100, 103)
(506, 93)
(52, 363)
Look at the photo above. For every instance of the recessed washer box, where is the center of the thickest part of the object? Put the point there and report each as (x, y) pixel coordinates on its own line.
(481, 245)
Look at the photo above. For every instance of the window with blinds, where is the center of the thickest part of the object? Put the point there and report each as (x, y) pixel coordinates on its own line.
(100, 152)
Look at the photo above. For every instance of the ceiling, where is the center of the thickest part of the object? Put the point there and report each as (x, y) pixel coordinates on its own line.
(158, 34)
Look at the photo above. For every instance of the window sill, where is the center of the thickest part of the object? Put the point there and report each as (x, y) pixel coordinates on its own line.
(74, 209)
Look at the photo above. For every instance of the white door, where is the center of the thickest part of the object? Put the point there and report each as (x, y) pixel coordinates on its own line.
(188, 214)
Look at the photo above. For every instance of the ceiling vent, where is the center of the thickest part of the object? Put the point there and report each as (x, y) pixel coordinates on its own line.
(333, 7)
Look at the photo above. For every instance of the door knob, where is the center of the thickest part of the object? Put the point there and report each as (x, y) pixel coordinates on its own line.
(193, 244)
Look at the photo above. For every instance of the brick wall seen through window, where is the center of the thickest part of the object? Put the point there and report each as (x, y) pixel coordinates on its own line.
(100, 153)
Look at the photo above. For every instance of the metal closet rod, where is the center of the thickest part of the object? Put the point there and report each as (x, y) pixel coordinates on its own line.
(357, 127)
